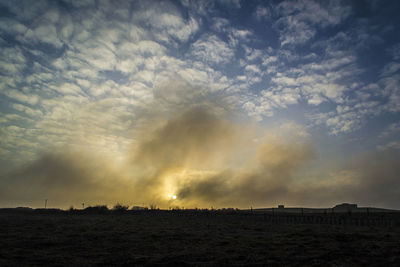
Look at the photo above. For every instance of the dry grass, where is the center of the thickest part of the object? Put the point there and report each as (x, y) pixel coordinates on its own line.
(177, 238)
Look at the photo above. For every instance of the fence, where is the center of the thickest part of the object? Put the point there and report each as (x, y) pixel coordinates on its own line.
(379, 220)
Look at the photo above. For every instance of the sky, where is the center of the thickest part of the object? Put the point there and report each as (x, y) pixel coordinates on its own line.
(223, 103)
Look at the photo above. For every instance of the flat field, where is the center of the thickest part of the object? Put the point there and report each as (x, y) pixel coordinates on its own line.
(184, 238)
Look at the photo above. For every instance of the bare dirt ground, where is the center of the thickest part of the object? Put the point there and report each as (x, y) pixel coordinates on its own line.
(179, 238)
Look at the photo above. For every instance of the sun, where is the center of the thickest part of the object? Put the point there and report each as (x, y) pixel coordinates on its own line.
(174, 197)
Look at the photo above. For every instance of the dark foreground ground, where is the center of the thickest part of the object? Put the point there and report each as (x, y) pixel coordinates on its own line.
(179, 238)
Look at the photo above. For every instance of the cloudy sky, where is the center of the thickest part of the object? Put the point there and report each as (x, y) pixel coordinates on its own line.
(216, 103)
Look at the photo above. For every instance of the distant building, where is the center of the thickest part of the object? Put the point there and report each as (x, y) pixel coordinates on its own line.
(345, 207)
(281, 206)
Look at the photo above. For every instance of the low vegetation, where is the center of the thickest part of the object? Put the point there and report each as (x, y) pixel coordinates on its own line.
(101, 236)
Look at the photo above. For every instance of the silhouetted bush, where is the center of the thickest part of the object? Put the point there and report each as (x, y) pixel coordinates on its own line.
(120, 208)
(137, 208)
(48, 211)
(100, 209)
